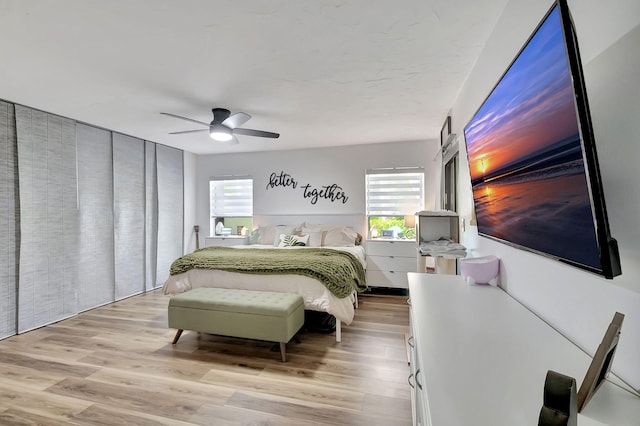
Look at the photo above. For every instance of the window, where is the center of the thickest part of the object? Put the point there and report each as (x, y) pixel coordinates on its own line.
(391, 195)
(231, 204)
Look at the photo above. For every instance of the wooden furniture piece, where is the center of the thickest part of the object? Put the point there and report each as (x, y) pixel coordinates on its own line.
(432, 226)
(226, 240)
(480, 358)
(388, 262)
(260, 315)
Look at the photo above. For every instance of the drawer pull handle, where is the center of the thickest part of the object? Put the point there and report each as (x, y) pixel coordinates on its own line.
(410, 341)
(417, 382)
(409, 380)
(409, 301)
(391, 257)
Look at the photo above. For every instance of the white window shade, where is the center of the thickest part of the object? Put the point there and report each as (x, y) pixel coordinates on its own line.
(231, 197)
(395, 192)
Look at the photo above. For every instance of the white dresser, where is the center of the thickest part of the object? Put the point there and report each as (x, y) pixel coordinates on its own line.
(226, 240)
(480, 358)
(388, 262)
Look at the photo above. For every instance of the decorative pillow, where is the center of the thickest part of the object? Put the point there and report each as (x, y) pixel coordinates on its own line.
(270, 235)
(315, 239)
(283, 229)
(254, 236)
(344, 237)
(290, 240)
(266, 234)
(333, 235)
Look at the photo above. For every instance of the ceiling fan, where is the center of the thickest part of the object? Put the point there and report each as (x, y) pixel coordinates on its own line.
(224, 126)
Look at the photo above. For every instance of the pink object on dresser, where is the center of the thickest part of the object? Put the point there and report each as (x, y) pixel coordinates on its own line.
(481, 270)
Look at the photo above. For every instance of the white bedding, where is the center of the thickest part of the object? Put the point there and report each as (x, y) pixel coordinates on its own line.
(316, 296)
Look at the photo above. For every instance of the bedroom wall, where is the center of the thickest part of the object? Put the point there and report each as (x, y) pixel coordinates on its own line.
(579, 304)
(344, 166)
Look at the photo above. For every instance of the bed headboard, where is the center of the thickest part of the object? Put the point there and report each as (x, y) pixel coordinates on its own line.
(353, 221)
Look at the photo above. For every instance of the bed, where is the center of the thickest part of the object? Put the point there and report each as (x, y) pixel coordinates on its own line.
(325, 264)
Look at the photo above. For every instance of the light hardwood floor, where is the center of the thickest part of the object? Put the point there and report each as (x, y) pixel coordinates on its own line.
(115, 365)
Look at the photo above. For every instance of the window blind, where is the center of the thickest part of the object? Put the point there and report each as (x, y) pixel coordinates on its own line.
(95, 198)
(47, 290)
(128, 215)
(394, 192)
(9, 220)
(151, 214)
(169, 178)
(231, 197)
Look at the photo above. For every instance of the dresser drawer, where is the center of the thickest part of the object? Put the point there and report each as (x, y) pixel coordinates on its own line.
(387, 279)
(391, 263)
(231, 240)
(391, 248)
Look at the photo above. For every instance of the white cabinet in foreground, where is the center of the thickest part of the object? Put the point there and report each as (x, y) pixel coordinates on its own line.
(481, 358)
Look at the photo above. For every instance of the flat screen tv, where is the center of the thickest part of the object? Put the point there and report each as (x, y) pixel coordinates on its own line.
(532, 156)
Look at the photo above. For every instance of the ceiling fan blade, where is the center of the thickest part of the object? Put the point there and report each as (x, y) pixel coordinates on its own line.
(259, 133)
(237, 119)
(185, 118)
(188, 131)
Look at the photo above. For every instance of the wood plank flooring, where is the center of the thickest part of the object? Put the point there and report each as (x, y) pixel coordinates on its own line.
(115, 365)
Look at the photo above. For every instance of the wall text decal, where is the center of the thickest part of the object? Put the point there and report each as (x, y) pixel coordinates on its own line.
(282, 179)
(333, 192)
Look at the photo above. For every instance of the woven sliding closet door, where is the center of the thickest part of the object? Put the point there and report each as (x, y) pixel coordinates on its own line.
(129, 214)
(151, 215)
(48, 218)
(95, 197)
(169, 164)
(9, 220)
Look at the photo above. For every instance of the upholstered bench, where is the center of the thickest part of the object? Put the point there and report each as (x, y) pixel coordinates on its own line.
(259, 315)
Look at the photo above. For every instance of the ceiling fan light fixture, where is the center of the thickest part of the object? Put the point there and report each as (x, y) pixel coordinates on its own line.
(220, 133)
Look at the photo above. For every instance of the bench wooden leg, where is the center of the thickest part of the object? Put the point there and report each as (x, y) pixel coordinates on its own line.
(178, 334)
(283, 351)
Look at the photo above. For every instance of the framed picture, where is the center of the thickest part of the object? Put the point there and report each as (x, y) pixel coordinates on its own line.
(446, 130)
(601, 362)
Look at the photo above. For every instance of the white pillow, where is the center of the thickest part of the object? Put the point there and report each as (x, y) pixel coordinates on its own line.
(332, 235)
(266, 234)
(270, 235)
(291, 240)
(283, 229)
(315, 239)
(344, 237)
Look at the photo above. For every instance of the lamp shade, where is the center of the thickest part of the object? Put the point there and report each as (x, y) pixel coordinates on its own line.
(410, 221)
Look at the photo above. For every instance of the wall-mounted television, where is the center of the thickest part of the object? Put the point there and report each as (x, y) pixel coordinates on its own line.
(532, 156)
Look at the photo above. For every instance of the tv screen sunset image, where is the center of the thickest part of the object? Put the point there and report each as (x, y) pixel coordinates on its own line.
(525, 155)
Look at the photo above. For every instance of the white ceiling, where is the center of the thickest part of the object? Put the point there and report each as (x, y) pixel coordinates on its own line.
(319, 72)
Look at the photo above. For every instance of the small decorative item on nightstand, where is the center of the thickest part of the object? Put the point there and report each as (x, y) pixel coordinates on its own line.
(374, 232)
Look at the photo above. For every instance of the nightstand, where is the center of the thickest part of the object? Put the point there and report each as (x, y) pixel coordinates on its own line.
(226, 240)
(388, 262)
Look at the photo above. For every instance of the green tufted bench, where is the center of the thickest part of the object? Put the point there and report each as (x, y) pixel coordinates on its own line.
(259, 315)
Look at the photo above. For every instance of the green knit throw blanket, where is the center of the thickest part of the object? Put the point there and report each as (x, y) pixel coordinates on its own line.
(340, 271)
